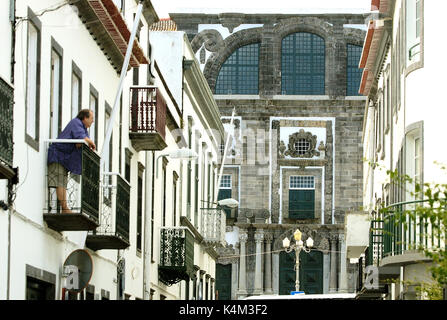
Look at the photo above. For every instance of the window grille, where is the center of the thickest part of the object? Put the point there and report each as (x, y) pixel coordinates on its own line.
(302, 146)
(225, 182)
(302, 182)
(354, 74)
(240, 72)
(303, 64)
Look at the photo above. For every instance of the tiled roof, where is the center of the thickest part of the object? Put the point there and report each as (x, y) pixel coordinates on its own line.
(164, 25)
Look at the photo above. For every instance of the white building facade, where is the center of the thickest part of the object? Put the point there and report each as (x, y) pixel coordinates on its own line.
(402, 126)
(67, 58)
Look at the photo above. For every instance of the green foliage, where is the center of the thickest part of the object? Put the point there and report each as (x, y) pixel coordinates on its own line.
(429, 211)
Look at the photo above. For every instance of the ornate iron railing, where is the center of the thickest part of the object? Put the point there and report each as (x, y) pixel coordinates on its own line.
(122, 207)
(82, 191)
(6, 122)
(213, 226)
(90, 182)
(399, 229)
(375, 250)
(147, 110)
(176, 255)
(115, 198)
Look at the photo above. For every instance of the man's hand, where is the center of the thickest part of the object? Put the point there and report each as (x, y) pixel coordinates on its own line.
(90, 142)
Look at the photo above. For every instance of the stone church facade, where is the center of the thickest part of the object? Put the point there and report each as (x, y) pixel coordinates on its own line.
(295, 158)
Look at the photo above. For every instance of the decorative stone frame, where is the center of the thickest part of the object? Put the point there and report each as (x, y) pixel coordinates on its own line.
(302, 135)
(286, 174)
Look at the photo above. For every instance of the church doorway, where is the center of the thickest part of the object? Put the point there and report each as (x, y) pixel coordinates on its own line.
(311, 272)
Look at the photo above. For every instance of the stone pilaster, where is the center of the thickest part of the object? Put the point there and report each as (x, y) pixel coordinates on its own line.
(343, 283)
(242, 291)
(333, 279)
(259, 237)
(268, 263)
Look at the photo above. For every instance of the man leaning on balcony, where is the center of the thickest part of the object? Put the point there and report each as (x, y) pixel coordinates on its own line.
(66, 157)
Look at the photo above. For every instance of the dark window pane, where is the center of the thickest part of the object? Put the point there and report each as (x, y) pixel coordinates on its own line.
(239, 74)
(303, 64)
(354, 74)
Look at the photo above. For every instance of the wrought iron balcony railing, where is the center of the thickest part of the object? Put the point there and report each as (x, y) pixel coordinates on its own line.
(81, 195)
(113, 230)
(398, 229)
(213, 226)
(6, 127)
(176, 255)
(147, 118)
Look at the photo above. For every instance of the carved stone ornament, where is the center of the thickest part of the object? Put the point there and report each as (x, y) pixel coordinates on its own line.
(211, 38)
(297, 138)
(282, 149)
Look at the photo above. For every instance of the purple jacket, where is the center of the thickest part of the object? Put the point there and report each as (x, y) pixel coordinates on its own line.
(66, 153)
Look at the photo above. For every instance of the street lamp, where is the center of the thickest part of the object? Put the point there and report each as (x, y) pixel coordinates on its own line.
(229, 203)
(297, 246)
(181, 154)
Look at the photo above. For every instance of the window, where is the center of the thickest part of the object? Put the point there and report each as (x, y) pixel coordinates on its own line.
(225, 191)
(240, 72)
(39, 290)
(225, 182)
(302, 182)
(93, 105)
(153, 207)
(302, 197)
(33, 81)
(414, 22)
(76, 90)
(174, 198)
(55, 90)
(303, 64)
(140, 208)
(302, 146)
(414, 156)
(189, 175)
(108, 161)
(354, 74)
(165, 162)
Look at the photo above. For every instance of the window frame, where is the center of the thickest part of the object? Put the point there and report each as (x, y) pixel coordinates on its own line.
(37, 25)
(76, 72)
(238, 85)
(350, 70)
(95, 95)
(294, 74)
(57, 50)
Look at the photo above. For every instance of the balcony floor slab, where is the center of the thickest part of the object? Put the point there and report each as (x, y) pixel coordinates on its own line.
(101, 242)
(69, 222)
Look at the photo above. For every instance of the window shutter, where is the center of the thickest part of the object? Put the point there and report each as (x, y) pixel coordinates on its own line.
(301, 204)
(225, 194)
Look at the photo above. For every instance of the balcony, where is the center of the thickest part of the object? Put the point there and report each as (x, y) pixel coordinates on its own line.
(397, 234)
(6, 130)
(176, 255)
(113, 230)
(213, 226)
(82, 194)
(147, 119)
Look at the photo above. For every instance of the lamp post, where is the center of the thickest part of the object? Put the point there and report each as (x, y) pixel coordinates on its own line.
(297, 246)
(181, 154)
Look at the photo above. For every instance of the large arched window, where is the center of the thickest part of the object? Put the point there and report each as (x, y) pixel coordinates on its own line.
(240, 72)
(303, 64)
(354, 74)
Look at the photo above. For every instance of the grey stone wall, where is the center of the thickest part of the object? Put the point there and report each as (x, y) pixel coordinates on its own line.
(259, 158)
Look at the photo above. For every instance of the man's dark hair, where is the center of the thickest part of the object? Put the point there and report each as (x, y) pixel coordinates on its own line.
(84, 113)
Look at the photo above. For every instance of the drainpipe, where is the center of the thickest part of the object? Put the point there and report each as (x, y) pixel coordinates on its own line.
(12, 20)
